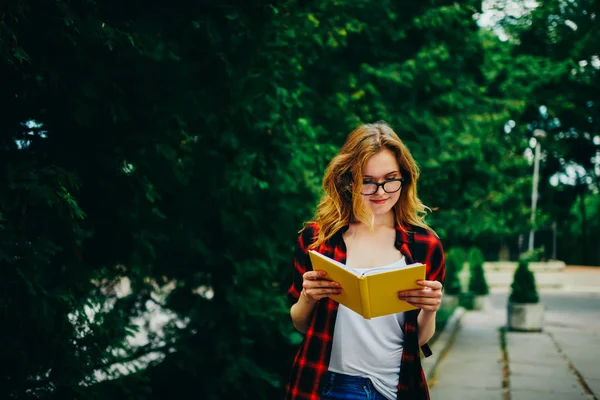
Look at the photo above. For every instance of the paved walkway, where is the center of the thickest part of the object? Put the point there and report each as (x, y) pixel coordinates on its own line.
(563, 362)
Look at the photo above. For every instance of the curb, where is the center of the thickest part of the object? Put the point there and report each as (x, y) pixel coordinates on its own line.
(442, 343)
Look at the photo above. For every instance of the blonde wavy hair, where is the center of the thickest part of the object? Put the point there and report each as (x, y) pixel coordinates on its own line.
(342, 201)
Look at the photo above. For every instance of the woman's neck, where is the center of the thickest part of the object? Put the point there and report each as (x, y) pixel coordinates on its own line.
(381, 223)
(385, 220)
(388, 219)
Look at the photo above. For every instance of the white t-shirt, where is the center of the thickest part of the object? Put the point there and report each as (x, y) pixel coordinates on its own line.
(369, 348)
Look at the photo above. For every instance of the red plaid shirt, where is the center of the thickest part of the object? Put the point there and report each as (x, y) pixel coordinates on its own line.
(312, 359)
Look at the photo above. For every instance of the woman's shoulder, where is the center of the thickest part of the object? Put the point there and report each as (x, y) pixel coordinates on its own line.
(310, 228)
(309, 232)
(421, 230)
(313, 230)
(423, 235)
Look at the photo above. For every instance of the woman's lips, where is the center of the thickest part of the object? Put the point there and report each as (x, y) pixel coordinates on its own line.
(380, 201)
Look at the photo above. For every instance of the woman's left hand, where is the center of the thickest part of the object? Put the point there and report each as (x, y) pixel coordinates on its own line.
(428, 298)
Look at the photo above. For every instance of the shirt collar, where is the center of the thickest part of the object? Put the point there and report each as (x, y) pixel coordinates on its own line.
(403, 234)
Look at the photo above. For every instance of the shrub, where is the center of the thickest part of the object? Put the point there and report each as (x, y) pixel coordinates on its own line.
(467, 300)
(523, 289)
(477, 283)
(455, 259)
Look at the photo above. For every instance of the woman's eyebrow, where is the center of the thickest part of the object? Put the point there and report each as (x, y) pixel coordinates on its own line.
(389, 173)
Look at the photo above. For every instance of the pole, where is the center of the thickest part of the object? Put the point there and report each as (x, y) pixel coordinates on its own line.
(554, 240)
(534, 193)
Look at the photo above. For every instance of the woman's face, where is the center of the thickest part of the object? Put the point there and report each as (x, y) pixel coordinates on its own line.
(380, 168)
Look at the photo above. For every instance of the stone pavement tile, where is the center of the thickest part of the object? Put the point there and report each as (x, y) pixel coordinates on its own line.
(478, 343)
(543, 394)
(535, 360)
(528, 338)
(588, 368)
(477, 365)
(532, 348)
(465, 357)
(480, 375)
(545, 370)
(565, 384)
(566, 335)
(465, 394)
(534, 357)
(472, 368)
(474, 380)
(536, 366)
(583, 350)
(594, 385)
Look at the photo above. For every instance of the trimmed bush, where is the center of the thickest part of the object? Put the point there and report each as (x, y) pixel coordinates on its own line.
(467, 300)
(523, 286)
(477, 283)
(455, 259)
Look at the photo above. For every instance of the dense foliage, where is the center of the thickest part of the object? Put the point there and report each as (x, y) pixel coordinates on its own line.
(554, 65)
(523, 289)
(455, 260)
(477, 282)
(160, 160)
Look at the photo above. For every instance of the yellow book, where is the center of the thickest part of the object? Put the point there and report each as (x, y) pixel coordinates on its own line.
(374, 292)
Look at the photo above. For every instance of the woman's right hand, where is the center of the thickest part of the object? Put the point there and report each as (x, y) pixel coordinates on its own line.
(315, 287)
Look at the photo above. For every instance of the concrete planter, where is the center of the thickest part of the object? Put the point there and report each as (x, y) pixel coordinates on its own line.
(525, 317)
(480, 303)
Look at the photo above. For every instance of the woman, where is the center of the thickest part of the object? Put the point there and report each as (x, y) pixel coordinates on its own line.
(369, 216)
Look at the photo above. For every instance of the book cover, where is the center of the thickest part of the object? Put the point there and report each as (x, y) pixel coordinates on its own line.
(374, 292)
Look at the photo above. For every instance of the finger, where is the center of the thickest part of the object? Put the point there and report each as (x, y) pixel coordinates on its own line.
(420, 300)
(426, 292)
(428, 307)
(314, 275)
(320, 284)
(323, 292)
(413, 293)
(430, 284)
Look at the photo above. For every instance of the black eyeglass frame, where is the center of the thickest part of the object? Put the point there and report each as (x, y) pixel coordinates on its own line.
(382, 184)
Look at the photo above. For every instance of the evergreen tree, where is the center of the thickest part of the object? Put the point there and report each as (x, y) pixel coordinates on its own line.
(553, 69)
(477, 282)
(455, 260)
(180, 148)
(523, 288)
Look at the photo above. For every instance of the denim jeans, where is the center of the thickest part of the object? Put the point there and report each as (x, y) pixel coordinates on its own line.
(346, 387)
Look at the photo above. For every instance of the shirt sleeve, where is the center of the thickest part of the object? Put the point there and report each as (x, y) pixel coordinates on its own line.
(435, 272)
(301, 263)
(436, 261)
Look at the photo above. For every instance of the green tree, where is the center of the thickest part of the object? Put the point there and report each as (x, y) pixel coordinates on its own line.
(455, 260)
(555, 69)
(523, 289)
(590, 215)
(180, 148)
(421, 68)
(477, 282)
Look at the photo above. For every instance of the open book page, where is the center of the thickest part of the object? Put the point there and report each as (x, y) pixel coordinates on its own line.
(371, 292)
(394, 267)
(339, 264)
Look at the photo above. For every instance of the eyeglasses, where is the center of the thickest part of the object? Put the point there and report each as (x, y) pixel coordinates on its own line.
(389, 186)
